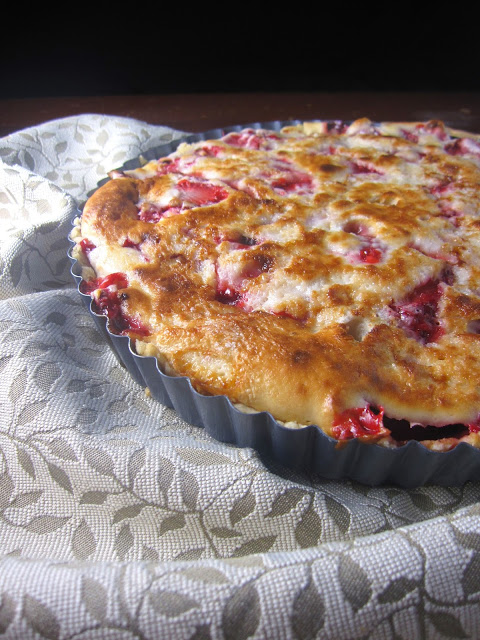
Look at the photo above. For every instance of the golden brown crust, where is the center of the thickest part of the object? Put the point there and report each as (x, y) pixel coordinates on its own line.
(309, 272)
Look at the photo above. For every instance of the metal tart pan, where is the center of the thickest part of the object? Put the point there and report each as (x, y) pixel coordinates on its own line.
(307, 449)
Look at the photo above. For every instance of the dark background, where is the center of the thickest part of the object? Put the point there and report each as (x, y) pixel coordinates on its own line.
(148, 54)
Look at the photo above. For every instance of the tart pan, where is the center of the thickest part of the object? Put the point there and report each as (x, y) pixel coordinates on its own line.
(307, 449)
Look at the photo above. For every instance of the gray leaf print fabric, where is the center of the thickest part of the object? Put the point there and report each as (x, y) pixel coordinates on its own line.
(120, 520)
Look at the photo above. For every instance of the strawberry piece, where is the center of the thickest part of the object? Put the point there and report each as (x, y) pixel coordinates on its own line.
(290, 180)
(359, 422)
(201, 193)
(474, 427)
(228, 295)
(294, 181)
(131, 245)
(417, 313)
(336, 127)
(251, 139)
(108, 302)
(118, 280)
(409, 135)
(463, 146)
(210, 151)
(87, 246)
(362, 166)
(370, 255)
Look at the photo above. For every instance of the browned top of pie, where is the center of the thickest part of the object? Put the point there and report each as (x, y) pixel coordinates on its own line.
(327, 273)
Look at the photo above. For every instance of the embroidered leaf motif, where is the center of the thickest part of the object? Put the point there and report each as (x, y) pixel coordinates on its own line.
(354, 583)
(286, 501)
(40, 618)
(259, 545)
(94, 597)
(83, 542)
(7, 611)
(130, 511)
(25, 462)
(242, 507)
(423, 501)
(149, 554)
(99, 460)
(397, 590)
(224, 532)
(45, 376)
(135, 464)
(241, 615)
(123, 542)
(18, 386)
(447, 625)
(339, 513)
(190, 554)
(61, 449)
(29, 412)
(471, 576)
(173, 522)
(165, 475)
(46, 524)
(26, 499)
(308, 615)
(470, 540)
(203, 457)
(189, 489)
(55, 317)
(309, 529)
(6, 489)
(94, 497)
(202, 632)
(16, 269)
(205, 574)
(60, 477)
(171, 604)
(4, 362)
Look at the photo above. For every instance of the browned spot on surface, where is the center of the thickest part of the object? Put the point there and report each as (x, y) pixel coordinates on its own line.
(301, 357)
(339, 294)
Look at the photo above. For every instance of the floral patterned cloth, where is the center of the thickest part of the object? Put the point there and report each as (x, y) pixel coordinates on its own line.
(119, 520)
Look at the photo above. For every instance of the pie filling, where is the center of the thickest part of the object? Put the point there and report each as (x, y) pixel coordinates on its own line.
(354, 245)
(371, 422)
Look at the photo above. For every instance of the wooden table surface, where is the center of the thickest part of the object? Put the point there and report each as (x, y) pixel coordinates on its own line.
(200, 112)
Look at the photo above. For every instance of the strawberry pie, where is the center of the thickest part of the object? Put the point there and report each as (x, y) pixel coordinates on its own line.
(328, 273)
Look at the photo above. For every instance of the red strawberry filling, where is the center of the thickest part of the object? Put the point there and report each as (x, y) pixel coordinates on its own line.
(230, 286)
(336, 127)
(152, 213)
(210, 151)
(370, 255)
(108, 301)
(87, 246)
(417, 314)
(168, 165)
(250, 139)
(131, 245)
(463, 146)
(359, 422)
(371, 421)
(287, 179)
(371, 250)
(363, 166)
(200, 194)
(192, 193)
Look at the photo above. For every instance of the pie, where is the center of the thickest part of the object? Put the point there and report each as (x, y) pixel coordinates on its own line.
(327, 273)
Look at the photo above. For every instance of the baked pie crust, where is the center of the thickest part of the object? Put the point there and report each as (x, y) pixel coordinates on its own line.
(327, 273)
